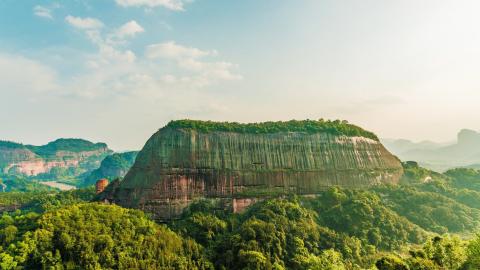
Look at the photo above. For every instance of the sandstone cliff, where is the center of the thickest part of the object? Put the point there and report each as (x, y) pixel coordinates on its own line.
(180, 164)
(63, 156)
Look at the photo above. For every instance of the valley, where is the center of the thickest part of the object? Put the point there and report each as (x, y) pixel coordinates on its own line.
(57, 185)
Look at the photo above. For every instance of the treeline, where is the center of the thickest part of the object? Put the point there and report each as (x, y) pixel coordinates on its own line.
(9, 144)
(18, 183)
(73, 145)
(335, 127)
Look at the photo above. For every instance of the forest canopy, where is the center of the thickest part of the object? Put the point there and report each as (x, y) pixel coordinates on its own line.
(335, 127)
(412, 226)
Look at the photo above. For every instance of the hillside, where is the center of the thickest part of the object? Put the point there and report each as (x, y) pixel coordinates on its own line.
(190, 159)
(113, 166)
(383, 227)
(60, 158)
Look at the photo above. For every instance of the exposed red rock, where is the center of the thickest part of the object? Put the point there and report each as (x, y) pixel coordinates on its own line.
(177, 166)
(101, 185)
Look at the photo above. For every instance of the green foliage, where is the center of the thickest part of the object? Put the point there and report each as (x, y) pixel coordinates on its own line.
(59, 150)
(446, 252)
(437, 253)
(414, 174)
(40, 202)
(335, 127)
(362, 214)
(98, 236)
(391, 262)
(431, 211)
(273, 234)
(381, 228)
(465, 178)
(11, 145)
(473, 254)
(20, 183)
(71, 145)
(113, 166)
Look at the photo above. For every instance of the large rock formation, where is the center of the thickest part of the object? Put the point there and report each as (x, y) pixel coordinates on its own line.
(182, 162)
(61, 157)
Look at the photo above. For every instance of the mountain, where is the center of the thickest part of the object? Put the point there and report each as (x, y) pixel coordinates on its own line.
(62, 157)
(113, 166)
(398, 146)
(189, 159)
(463, 153)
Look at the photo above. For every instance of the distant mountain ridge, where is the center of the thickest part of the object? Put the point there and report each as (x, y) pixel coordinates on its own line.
(62, 156)
(465, 152)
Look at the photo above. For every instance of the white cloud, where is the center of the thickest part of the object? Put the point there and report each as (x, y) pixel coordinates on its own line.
(108, 51)
(129, 29)
(43, 12)
(167, 71)
(192, 59)
(177, 5)
(20, 74)
(171, 50)
(84, 23)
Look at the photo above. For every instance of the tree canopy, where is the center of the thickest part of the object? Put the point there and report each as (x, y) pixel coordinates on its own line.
(335, 127)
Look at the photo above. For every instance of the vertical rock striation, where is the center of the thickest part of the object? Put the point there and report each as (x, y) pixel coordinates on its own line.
(178, 165)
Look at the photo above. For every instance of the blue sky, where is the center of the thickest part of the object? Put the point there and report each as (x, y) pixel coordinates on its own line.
(117, 70)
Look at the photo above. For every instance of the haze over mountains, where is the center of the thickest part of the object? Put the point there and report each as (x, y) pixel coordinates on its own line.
(465, 152)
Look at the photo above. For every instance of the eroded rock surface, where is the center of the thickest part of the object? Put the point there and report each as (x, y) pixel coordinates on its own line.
(178, 165)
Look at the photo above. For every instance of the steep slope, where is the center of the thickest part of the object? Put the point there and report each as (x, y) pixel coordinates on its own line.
(63, 156)
(113, 166)
(191, 159)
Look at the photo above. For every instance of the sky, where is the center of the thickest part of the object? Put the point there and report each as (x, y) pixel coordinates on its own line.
(116, 71)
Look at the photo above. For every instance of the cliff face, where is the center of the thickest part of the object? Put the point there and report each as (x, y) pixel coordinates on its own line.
(75, 155)
(177, 165)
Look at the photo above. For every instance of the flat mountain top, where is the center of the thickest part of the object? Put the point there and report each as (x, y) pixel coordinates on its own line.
(336, 127)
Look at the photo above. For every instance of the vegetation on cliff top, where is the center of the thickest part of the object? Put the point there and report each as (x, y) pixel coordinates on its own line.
(11, 145)
(335, 127)
(72, 145)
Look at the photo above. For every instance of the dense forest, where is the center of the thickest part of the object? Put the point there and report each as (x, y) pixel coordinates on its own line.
(335, 127)
(429, 221)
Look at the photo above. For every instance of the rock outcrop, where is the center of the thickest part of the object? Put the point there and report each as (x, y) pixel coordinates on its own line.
(63, 156)
(179, 164)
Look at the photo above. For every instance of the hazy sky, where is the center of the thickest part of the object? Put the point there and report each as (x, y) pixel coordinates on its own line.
(117, 70)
